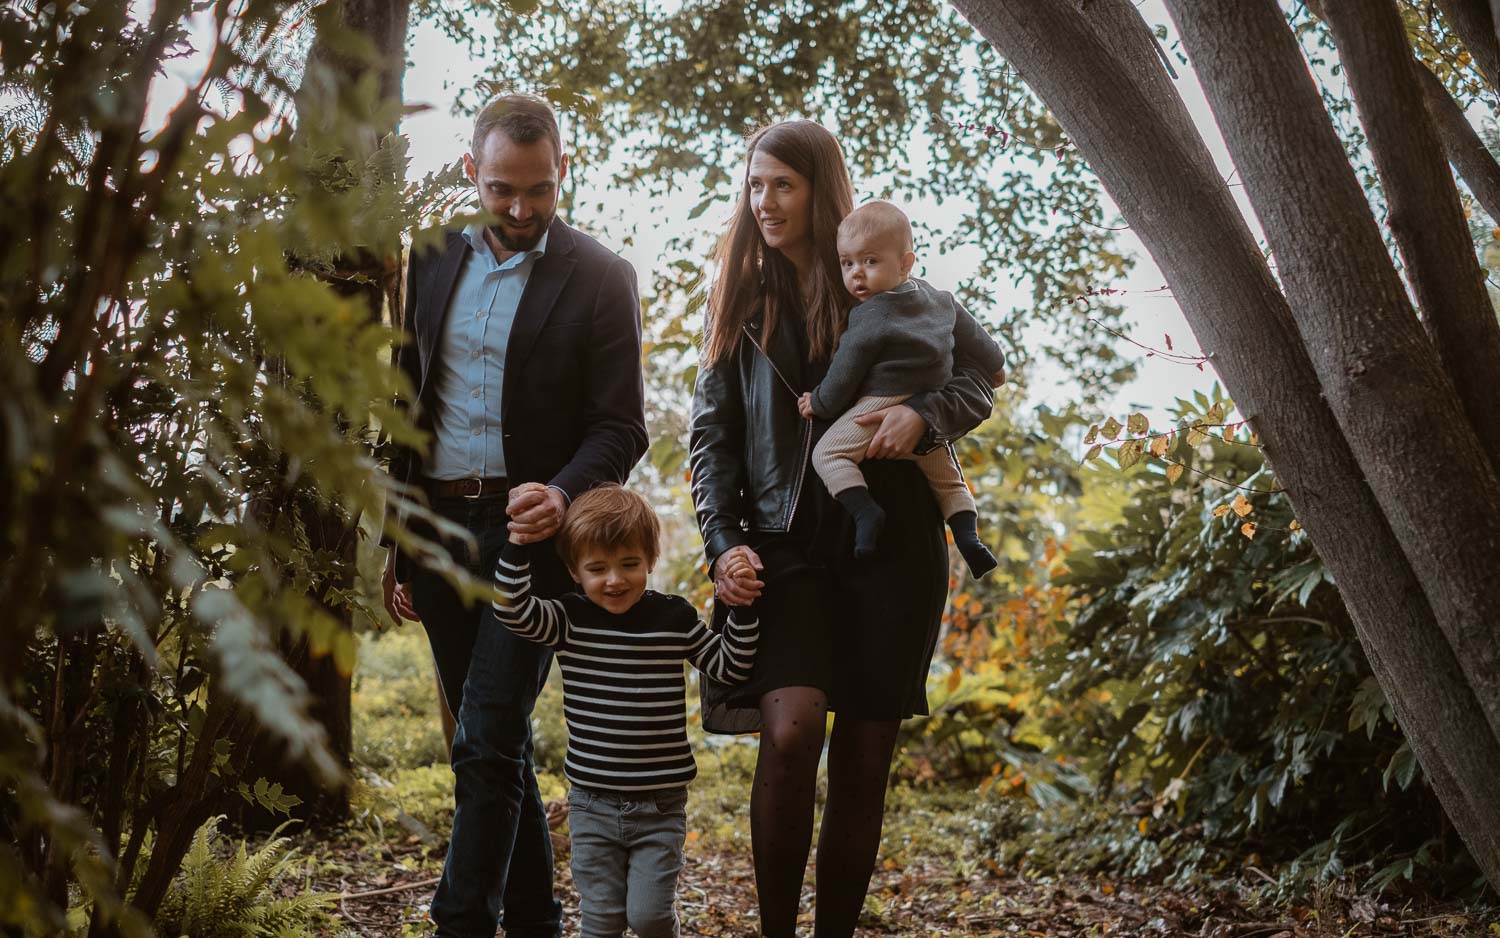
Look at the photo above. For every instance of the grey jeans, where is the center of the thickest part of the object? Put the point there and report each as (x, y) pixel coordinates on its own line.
(627, 852)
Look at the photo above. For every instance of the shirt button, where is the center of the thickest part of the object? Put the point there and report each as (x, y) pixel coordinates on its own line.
(474, 393)
(475, 354)
(477, 431)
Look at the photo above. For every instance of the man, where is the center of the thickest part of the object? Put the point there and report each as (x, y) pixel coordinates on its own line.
(527, 363)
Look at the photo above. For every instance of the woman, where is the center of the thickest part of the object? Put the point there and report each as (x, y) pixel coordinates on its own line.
(852, 637)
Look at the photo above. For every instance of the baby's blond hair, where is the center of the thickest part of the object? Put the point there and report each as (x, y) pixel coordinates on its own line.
(878, 220)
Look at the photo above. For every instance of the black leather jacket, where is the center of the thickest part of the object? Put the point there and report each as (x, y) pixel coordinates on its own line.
(750, 450)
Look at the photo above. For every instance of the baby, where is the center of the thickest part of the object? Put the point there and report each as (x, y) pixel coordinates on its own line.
(621, 649)
(899, 342)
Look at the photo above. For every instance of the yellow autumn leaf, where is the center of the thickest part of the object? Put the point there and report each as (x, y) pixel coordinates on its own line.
(955, 677)
(1159, 446)
(1242, 506)
(1248, 529)
(692, 836)
(1221, 511)
(1140, 826)
(1174, 472)
(1295, 525)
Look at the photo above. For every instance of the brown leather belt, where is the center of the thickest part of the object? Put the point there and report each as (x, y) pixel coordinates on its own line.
(467, 488)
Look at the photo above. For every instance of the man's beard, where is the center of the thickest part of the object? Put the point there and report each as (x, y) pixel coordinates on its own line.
(511, 241)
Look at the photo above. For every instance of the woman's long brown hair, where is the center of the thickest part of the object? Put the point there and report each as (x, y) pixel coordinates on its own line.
(751, 274)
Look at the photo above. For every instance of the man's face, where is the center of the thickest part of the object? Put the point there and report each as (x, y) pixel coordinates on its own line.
(519, 183)
(872, 264)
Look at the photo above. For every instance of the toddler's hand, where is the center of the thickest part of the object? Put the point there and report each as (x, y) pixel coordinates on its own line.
(804, 405)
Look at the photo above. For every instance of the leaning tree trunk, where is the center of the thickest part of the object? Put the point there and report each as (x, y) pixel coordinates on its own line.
(1474, 24)
(1424, 215)
(1139, 139)
(372, 277)
(1398, 410)
(1475, 163)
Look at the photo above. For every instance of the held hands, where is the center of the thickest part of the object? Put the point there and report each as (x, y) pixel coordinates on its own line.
(901, 428)
(736, 576)
(536, 512)
(804, 405)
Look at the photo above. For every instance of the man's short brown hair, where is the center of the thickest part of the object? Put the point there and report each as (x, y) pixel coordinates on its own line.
(609, 517)
(523, 118)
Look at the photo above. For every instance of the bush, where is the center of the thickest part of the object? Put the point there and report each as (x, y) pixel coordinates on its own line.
(1213, 679)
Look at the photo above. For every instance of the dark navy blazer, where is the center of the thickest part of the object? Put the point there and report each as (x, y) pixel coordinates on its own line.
(572, 410)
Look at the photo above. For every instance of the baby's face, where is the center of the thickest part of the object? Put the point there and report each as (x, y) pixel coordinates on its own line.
(872, 264)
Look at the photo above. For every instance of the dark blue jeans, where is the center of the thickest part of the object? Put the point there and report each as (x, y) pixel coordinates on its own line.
(500, 852)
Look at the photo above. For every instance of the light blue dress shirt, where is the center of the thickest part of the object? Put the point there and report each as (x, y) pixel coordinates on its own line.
(471, 363)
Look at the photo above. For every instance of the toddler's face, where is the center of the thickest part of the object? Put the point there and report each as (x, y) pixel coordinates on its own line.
(872, 264)
(614, 578)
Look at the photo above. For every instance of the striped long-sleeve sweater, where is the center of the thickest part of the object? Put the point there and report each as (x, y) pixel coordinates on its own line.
(624, 689)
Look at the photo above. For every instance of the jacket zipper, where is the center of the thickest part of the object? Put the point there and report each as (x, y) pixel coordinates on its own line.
(806, 429)
(801, 473)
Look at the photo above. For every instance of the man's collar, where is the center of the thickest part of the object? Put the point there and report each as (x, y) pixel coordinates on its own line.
(474, 234)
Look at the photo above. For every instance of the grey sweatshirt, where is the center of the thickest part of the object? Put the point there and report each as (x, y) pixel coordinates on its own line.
(899, 343)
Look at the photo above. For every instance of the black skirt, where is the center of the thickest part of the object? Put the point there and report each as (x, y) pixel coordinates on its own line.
(862, 631)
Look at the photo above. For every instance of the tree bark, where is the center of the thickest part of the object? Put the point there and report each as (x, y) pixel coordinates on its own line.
(1474, 24)
(1153, 167)
(1398, 410)
(370, 274)
(1475, 163)
(1425, 214)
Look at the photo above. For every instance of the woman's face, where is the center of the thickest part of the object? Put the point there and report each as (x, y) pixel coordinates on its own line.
(781, 201)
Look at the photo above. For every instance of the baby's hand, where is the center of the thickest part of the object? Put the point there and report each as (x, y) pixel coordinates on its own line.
(804, 405)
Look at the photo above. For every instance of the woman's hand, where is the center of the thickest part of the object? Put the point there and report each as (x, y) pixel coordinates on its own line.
(901, 428)
(736, 576)
(804, 405)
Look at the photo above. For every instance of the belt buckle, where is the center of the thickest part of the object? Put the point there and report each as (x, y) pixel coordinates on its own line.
(478, 488)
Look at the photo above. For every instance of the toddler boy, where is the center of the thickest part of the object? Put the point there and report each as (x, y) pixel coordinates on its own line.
(621, 649)
(899, 342)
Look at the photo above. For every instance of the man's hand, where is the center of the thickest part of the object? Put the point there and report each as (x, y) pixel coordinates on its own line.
(901, 428)
(397, 595)
(536, 512)
(804, 405)
(736, 576)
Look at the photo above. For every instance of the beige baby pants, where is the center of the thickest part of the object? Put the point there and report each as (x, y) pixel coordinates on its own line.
(838, 454)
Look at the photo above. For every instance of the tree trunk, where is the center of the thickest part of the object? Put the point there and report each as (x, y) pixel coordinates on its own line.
(1474, 24)
(1424, 210)
(1153, 166)
(1475, 163)
(372, 275)
(1398, 410)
